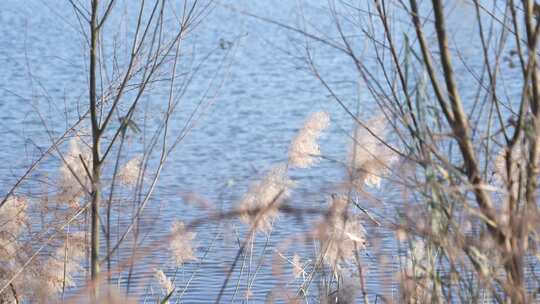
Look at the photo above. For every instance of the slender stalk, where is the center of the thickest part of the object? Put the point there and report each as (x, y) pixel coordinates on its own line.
(96, 138)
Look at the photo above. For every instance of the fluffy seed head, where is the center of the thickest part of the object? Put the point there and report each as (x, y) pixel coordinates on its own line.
(163, 281)
(72, 171)
(370, 159)
(129, 173)
(298, 267)
(59, 269)
(260, 206)
(304, 147)
(13, 218)
(181, 244)
(340, 234)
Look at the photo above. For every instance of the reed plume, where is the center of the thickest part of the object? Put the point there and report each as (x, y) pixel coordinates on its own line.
(129, 173)
(304, 147)
(181, 244)
(370, 159)
(13, 218)
(73, 175)
(339, 234)
(260, 206)
(163, 281)
(58, 271)
(298, 267)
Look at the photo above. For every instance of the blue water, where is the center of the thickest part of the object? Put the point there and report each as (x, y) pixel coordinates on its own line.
(261, 93)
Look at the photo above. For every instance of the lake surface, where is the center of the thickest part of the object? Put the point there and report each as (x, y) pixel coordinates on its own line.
(267, 93)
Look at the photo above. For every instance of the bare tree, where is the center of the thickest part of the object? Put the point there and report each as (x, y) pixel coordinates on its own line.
(418, 82)
(94, 174)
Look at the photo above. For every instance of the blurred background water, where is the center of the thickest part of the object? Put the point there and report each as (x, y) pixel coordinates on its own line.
(267, 93)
